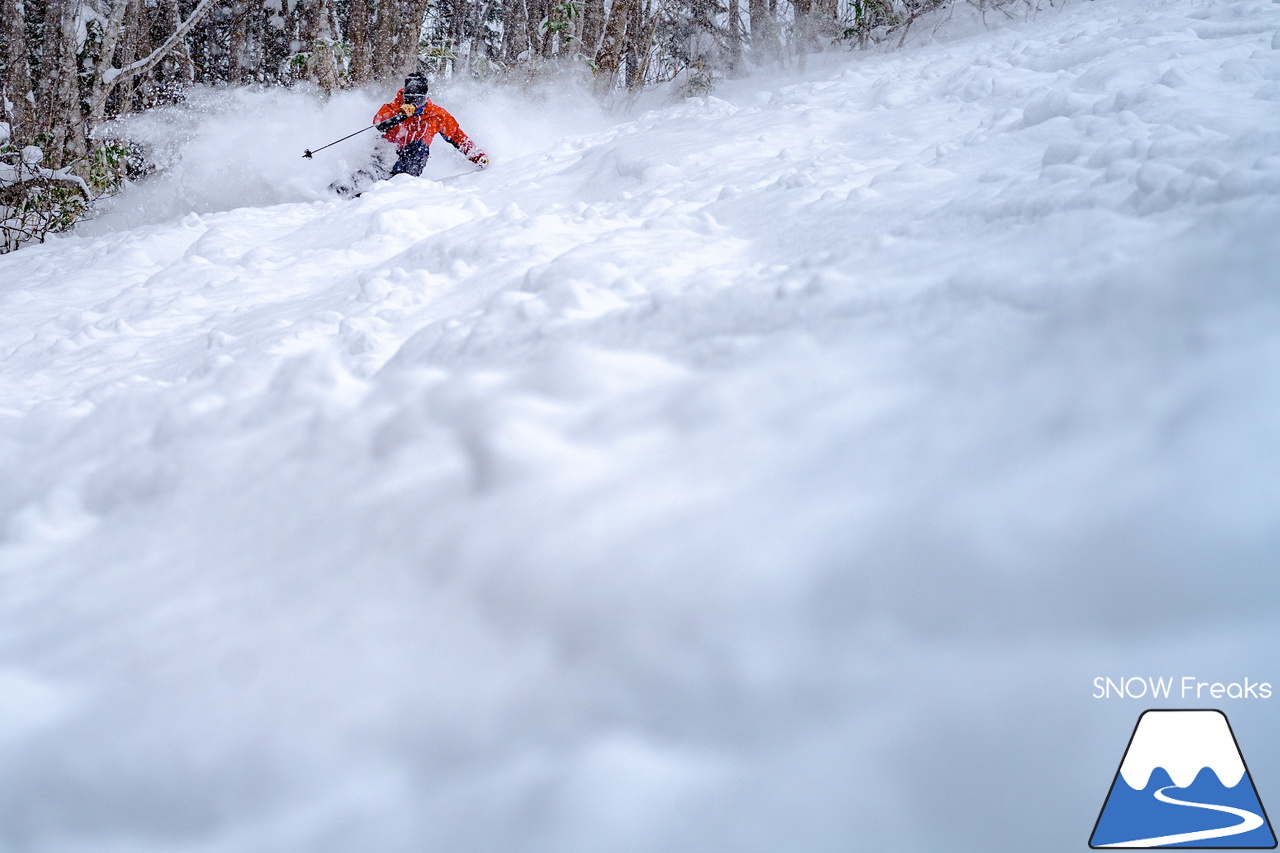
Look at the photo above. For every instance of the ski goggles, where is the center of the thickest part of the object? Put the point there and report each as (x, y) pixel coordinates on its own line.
(416, 99)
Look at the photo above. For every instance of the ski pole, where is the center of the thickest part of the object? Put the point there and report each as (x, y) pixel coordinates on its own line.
(308, 152)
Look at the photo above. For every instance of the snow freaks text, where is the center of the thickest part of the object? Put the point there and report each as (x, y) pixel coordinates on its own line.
(1186, 687)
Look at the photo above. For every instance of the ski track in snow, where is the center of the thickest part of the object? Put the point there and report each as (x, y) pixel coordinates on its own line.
(1248, 822)
(739, 476)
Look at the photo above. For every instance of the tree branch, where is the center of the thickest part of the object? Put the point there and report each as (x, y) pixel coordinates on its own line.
(115, 76)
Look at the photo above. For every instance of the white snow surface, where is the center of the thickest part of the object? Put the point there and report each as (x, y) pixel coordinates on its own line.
(1183, 743)
(772, 471)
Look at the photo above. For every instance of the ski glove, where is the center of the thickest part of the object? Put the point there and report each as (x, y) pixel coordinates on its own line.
(384, 126)
(409, 110)
(481, 160)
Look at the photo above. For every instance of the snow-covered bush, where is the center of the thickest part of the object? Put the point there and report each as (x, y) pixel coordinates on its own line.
(868, 21)
(36, 201)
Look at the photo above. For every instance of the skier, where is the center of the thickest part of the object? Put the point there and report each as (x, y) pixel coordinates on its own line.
(411, 121)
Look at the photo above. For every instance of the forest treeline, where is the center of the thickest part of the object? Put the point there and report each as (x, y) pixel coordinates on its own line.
(66, 66)
(69, 66)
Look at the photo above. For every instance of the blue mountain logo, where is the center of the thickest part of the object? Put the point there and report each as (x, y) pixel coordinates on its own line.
(1183, 783)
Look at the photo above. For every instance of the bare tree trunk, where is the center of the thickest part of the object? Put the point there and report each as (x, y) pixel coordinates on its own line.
(184, 67)
(486, 45)
(637, 45)
(539, 37)
(803, 28)
(735, 39)
(239, 37)
(612, 43)
(384, 35)
(400, 36)
(61, 89)
(592, 27)
(396, 37)
(826, 13)
(764, 40)
(416, 13)
(515, 29)
(458, 30)
(16, 95)
(359, 26)
(135, 20)
(322, 67)
(112, 30)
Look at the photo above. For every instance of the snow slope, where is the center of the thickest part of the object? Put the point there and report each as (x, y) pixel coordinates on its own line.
(772, 471)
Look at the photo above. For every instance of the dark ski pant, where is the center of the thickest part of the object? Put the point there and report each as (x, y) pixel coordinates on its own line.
(413, 157)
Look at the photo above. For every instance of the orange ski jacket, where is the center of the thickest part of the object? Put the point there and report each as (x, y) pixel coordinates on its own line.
(424, 127)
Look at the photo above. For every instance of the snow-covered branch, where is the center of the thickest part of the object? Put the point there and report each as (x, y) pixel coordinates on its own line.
(115, 76)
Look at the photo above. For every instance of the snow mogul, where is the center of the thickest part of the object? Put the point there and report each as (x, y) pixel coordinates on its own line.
(411, 121)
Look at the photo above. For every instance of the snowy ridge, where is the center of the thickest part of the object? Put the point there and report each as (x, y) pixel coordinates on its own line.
(1183, 743)
(733, 476)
